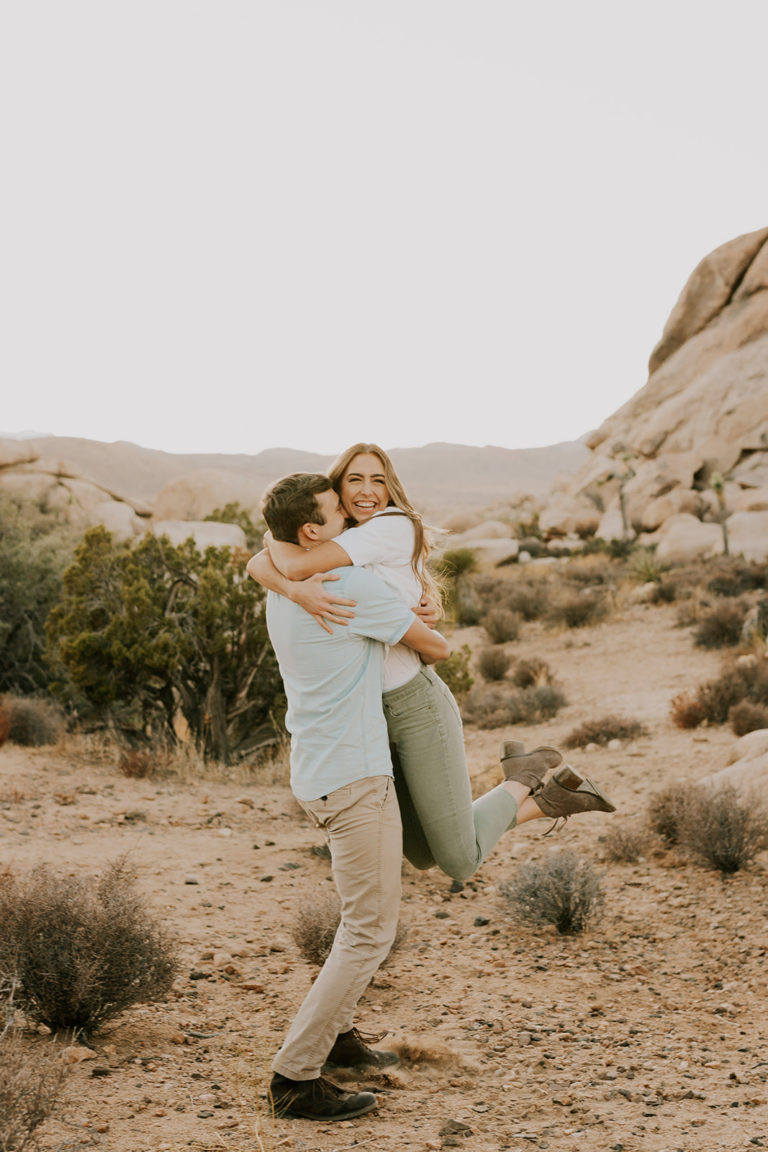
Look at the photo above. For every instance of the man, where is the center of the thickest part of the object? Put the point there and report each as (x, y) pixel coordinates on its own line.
(341, 773)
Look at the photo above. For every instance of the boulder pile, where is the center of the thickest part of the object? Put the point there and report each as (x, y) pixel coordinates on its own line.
(684, 463)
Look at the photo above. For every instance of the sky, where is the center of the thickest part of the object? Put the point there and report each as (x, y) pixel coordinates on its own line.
(235, 225)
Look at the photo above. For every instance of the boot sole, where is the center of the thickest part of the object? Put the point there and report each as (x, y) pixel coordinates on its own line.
(295, 1114)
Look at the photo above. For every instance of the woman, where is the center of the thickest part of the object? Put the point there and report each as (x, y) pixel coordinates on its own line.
(441, 823)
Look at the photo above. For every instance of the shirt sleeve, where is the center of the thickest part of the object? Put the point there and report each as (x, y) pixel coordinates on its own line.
(380, 613)
(384, 539)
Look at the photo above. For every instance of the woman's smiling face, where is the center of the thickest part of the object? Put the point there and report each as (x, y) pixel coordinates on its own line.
(364, 488)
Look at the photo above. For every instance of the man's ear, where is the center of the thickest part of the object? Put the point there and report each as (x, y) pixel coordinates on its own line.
(310, 531)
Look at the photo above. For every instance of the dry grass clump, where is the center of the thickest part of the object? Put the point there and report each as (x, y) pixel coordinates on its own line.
(489, 707)
(315, 926)
(527, 596)
(723, 829)
(721, 627)
(604, 730)
(532, 673)
(493, 663)
(78, 952)
(625, 844)
(747, 717)
(143, 763)
(501, 625)
(718, 826)
(33, 722)
(712, 701)
(733, 576)
(29, 1087)
(562, 890)
(666, 811)
(577, 609)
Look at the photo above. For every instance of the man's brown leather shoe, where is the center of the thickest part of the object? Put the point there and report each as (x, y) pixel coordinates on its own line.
(351, 1051)
(317, 1099)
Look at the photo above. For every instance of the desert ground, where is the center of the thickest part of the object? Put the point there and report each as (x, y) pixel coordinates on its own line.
(646, 1033)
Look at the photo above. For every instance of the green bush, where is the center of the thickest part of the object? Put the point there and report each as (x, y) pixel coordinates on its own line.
(35, 549)
(144, 632)
(562, 890)
(77, 952)
(455, 672)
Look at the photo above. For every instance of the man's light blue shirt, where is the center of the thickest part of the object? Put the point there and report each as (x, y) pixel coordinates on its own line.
(334, 683)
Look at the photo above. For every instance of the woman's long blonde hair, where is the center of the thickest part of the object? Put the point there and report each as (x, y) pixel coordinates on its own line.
(397, 499)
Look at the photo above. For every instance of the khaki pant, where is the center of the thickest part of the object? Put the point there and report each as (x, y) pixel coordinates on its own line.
(362, 823)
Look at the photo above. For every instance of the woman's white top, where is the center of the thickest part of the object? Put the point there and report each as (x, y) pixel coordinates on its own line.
(384, 545)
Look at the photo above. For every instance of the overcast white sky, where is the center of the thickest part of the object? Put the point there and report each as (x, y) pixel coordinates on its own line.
(237, 224)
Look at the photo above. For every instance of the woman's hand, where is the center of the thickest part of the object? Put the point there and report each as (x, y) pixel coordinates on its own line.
(312, 596)
(428, 612)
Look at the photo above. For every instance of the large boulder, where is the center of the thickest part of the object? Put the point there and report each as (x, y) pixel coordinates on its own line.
(683, 538)
(205, 533)
(702, 417)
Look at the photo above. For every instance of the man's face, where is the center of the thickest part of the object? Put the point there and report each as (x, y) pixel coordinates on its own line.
(332, 513)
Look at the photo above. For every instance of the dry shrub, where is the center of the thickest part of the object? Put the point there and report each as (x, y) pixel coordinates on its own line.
(34, 722)
(532, 673)
(748, 717)
(501, 625)
(78, 951)
(723, 829)
(561, 890)
(666, 811)
(315, 926)
(529, 599)
(721, 627)
(577, 609)
(29, 1087)
(686, 711)
(496, 707)
(733, 576)
(142, 763)
(493, 663)
(666, 591)
(625, 844)
(605, 729)
(713, 700)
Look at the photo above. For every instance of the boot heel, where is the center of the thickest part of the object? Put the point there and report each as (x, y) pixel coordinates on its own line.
(568, 777)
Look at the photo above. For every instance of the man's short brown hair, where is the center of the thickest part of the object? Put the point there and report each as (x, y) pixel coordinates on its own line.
(290, 503)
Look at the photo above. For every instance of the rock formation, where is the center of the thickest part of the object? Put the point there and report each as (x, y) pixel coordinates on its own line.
(690, 449)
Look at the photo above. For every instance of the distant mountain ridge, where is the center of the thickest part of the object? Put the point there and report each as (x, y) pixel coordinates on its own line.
(439, 478)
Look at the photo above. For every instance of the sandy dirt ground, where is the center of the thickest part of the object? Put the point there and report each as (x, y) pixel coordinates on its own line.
(647, 1033)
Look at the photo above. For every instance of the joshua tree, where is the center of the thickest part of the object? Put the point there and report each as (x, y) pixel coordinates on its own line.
(717, 484)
